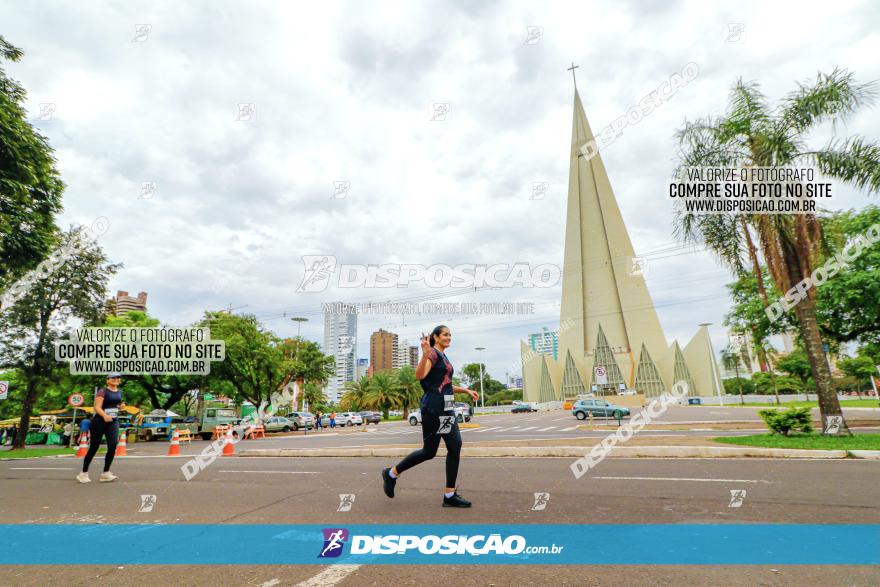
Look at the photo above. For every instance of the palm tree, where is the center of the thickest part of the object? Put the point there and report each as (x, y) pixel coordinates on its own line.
(753, 134)
(313, 394)
(731, 359)
(409, 388)
(354, 398)
(383, 393)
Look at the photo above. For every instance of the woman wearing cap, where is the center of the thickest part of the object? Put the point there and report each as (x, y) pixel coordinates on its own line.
(104, 424)
(438, 417)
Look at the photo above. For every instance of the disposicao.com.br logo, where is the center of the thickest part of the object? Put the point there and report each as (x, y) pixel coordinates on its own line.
(320, 270)
(475, 545)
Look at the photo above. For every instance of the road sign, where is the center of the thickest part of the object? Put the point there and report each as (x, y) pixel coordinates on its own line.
(76, 400)
(4, 389)
(601, 376)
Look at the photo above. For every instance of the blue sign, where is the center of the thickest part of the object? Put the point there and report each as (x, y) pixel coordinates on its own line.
(475, 544)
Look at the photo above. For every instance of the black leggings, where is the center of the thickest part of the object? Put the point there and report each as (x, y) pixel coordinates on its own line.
(430, 425)
(97, 429)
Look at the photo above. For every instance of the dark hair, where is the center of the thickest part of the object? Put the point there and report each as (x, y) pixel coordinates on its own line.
(436, 332)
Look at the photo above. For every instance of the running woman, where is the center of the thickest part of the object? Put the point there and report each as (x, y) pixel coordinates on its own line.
(438, 417)
(104, 423)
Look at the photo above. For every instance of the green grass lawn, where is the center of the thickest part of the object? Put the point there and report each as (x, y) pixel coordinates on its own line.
(808, 441)
(849, 403)
(29, 453)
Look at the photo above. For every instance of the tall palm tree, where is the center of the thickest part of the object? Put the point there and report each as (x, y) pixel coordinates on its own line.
(409, 388)
(355, 397)
(753, 134)
(731, 359)
(383, 393)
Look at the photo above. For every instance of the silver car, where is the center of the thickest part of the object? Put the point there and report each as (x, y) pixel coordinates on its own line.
(279, 424)
(302, 420)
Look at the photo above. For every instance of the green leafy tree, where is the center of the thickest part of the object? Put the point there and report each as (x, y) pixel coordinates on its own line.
(751, 133)
(255, 366)
(796, 365)
(848, 308)
(30, 185)
(31, 325)
(861, 368)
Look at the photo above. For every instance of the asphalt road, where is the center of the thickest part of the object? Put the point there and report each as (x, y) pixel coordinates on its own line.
(520, 428)
(300, 491)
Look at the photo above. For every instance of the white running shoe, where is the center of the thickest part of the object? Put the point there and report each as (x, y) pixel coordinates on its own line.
(83, 478)
(108, 476)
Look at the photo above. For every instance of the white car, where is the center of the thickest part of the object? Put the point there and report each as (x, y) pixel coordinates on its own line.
(354, 418)
(342, 419)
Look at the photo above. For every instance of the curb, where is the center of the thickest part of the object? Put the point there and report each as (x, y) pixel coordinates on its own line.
(676, 452)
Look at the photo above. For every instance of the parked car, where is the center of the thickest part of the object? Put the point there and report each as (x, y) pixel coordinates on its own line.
(342, 419)
(461, 415)
(354, 418)
(302, 420)
(279, 424)
(371, 417)
(463, 412)
(598, 407)
(523, 408)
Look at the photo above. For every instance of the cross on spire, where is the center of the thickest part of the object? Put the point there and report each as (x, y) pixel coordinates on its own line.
(571, 69)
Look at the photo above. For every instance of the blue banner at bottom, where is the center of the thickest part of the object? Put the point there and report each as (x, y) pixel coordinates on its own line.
(628, 544)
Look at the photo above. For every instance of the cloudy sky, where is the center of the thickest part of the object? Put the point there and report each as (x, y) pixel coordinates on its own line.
(346, 92)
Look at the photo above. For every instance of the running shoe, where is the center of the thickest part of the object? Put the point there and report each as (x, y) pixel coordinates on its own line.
(456, 501)
(388, 482)
(106, 477)
(83, 478)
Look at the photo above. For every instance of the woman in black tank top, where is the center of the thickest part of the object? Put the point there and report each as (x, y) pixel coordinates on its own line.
(438, 417)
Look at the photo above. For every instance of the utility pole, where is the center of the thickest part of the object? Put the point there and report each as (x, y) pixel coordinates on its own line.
(482, 394)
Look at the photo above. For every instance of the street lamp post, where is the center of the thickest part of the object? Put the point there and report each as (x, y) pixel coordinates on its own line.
(299, 320)
(482, 395)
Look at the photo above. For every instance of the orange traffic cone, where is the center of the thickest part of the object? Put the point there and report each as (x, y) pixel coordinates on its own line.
(83, 445)
(120, 448)
(174, 447)
(228, 449)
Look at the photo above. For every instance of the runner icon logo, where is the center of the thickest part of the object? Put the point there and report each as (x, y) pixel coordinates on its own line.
(346, 500)
(541, 500)
(737, 496)
(445, 424)
(334, 541)
(832, 424)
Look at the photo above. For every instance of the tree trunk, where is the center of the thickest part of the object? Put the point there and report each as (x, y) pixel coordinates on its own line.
(828, 403)
(27, 407)
(30, 397)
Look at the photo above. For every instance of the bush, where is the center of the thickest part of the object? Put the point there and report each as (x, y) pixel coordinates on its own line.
(793, 419)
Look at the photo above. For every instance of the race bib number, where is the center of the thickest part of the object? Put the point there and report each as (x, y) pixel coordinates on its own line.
(446, 423)
(448, 402)
(112, 412)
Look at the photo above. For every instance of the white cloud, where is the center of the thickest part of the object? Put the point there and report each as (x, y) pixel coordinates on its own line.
(344, 92)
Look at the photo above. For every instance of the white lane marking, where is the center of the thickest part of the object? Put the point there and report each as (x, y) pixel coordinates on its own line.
(569, 429)
(276, 472)
(686, 479)
(529, 428)
(329, 576)
(41, 468)
(546, 429)
(509, 429)
(487, 429)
